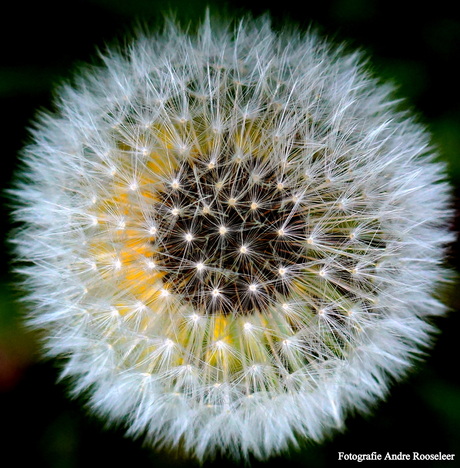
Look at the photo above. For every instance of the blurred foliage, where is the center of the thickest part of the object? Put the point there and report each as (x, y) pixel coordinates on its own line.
(414, 46)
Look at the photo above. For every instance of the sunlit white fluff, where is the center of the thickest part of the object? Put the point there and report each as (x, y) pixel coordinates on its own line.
(232, 237)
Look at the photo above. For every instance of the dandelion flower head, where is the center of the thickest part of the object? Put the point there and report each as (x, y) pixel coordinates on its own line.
(232, 237)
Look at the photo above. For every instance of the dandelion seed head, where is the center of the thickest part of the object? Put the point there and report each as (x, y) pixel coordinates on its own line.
(239, 234)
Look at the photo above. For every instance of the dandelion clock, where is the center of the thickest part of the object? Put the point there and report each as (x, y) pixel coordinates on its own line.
(232, 238)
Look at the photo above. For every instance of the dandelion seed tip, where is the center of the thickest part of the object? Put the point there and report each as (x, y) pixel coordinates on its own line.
(254, 206)
(243, 249)
(188, 237)
(175, 211)
(220, 344)
(195, 317)
(238, 159)
(200, 266)
(151, 265)
(164, 292)
(253, 287)
(223, 230)
(231, 201)
(182, 149)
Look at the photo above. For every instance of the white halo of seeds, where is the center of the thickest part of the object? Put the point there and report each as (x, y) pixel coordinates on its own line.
(233, 237)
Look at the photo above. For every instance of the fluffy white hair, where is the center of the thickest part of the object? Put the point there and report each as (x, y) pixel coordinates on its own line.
(232, 237)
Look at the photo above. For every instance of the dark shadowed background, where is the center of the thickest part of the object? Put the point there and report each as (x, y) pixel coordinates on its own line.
(417, 47)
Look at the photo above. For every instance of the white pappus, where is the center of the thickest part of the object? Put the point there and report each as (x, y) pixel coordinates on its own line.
(233, 237)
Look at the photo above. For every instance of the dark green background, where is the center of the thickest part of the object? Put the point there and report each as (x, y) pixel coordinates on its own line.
(415, 46)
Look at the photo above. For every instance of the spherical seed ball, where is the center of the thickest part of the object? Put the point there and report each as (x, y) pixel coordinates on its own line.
(232, 237)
